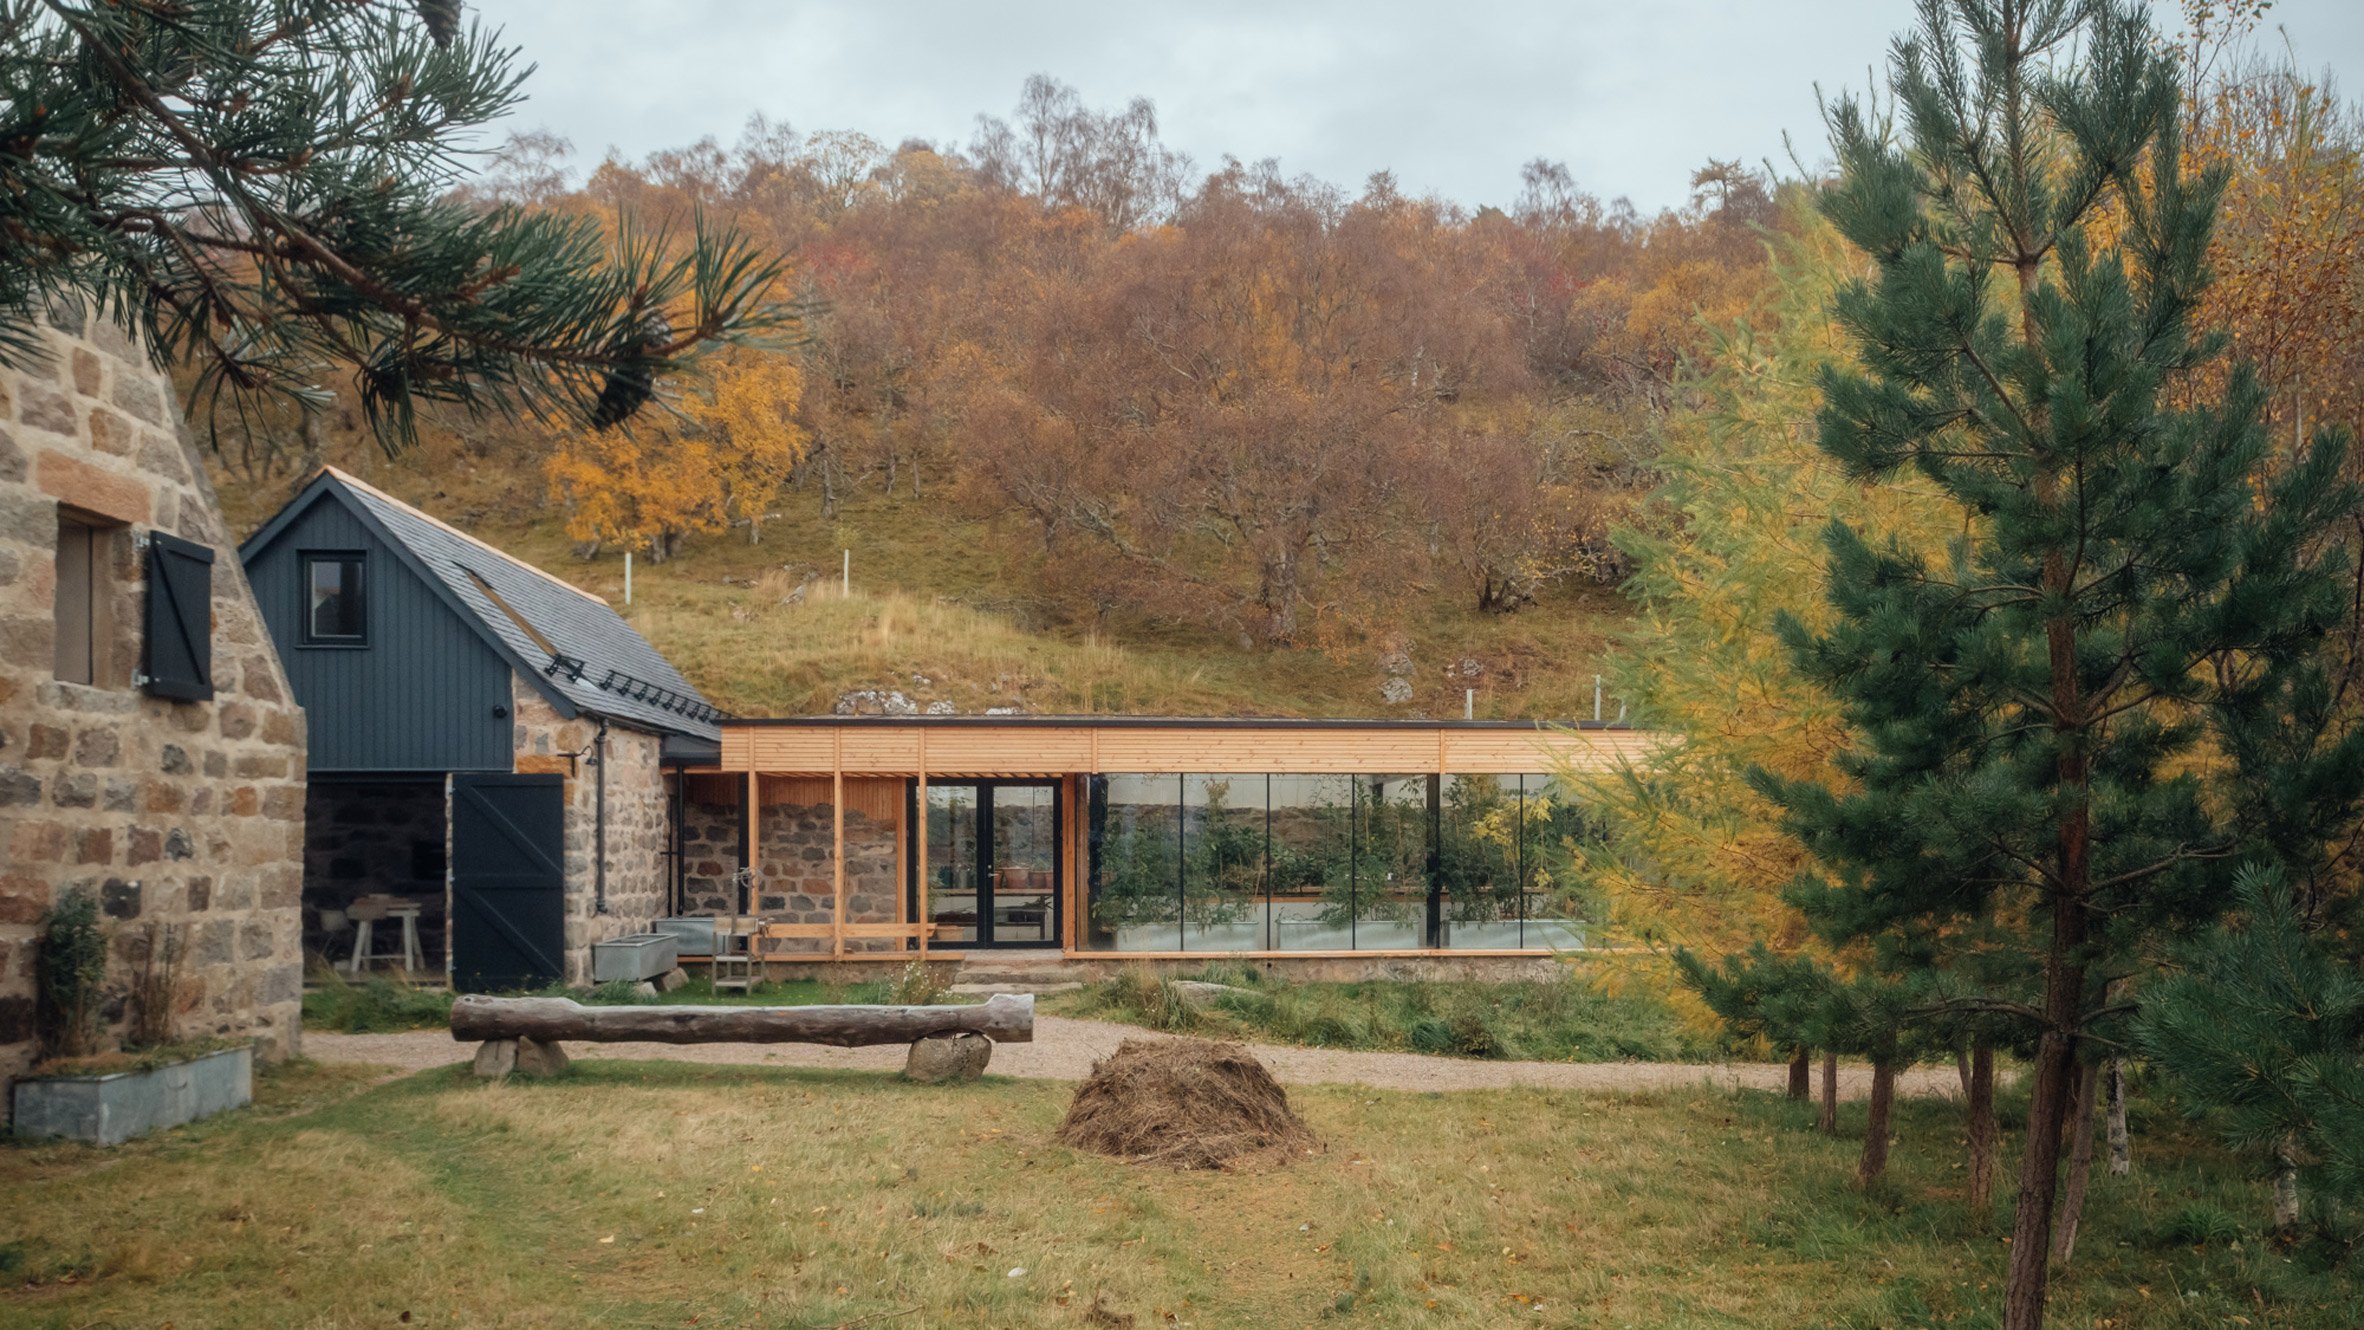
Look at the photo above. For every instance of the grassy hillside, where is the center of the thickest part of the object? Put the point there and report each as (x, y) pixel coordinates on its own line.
(945, 608)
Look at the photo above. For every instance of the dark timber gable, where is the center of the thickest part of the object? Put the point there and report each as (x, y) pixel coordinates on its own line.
(451, 623)
(423, 692)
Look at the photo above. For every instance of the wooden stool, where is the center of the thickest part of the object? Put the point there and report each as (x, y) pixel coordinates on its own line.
(368, 911)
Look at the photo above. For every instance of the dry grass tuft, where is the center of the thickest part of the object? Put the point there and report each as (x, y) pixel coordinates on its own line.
(1185, 1103)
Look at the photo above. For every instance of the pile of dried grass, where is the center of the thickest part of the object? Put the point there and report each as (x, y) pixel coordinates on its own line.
(1185, 1103)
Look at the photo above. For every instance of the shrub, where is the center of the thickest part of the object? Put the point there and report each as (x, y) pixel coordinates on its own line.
(1431, 1035)
(2199, 1225)
(73, 966)
(919, 984)
(155, 989)
(1474, 1036)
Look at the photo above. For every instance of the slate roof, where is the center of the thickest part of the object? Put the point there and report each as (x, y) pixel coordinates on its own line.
(602, 665)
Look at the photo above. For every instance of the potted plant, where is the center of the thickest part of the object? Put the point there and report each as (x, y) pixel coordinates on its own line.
(154, 1080)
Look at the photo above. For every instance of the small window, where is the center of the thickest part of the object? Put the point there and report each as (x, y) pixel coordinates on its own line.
(336, 611)
(84, 624)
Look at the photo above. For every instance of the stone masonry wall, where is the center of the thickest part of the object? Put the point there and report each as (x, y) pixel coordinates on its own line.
(637, 811)
(186, 815)
(710, 856)
(795, 882)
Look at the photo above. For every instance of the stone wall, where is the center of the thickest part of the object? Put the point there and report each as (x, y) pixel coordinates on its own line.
(637, 812)
(710, 856)
(365, 838)
(179, 815)
(795, 883)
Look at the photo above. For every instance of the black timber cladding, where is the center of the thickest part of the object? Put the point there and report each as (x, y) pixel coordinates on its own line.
(419, 694)
(469, 582)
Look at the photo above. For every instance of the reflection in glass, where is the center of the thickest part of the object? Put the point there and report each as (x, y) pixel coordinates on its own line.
(1391, 863)
(1312, 871)
(1555, 893)
(1477, 861)
(1223, 864)
(1134, 846)
(952, 862)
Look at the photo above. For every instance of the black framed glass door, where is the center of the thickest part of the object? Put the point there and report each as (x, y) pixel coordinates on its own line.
(993, 870)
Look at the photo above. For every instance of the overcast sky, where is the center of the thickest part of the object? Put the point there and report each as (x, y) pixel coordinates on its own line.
(1452, 97)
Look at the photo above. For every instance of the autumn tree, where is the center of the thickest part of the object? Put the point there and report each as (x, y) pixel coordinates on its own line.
(2125, 600)
(717, 460)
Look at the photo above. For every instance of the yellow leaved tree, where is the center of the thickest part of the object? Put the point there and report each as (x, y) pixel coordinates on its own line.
(716, 461)
(1695, 856)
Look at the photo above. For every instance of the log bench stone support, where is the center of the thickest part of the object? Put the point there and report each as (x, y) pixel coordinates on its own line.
(525, 1035)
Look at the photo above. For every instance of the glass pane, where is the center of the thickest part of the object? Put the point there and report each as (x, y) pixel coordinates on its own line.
(1223, 863)
(1312, 870)
(1391, 863)
(1478, 861)
(952, 863)
(1554, 895)
(1134, 844)
(335, 598)
(1025, 864)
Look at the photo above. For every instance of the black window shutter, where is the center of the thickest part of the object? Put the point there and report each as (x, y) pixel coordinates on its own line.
(180, 619)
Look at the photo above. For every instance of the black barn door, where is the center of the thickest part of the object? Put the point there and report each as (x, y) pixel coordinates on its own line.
(508, 882)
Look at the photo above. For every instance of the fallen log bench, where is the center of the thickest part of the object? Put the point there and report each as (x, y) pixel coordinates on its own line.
(526, 1035)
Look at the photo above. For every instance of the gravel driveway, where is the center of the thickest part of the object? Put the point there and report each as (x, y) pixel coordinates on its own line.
(1064, 1050)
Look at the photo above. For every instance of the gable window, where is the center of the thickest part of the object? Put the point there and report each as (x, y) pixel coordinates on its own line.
(336, 606)
(85, 610)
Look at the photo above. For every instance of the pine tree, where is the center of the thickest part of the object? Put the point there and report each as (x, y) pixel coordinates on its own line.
(2126, 616)
(261, 189)
(2263, 1031)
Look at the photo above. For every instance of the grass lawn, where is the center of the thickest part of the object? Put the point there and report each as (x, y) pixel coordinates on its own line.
(680, 1195)
(1563, 1020)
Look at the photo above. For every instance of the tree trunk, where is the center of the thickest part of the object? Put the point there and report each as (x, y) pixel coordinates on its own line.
(1801, 1074)
(2286, 1209)
(2121, 1149)
(1985, 1135)
(1829, 1125)
(1875, 1130)
(2025, 1279)
(1004, 1018)
(2080, 1168)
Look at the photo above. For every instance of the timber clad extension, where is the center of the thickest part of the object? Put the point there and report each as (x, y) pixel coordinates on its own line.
(1143, 837)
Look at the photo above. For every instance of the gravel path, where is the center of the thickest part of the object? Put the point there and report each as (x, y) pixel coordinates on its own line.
(1064, 1050)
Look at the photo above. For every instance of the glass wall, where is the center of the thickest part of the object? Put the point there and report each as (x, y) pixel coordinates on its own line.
(1311, 869)
(1133, 852)
(952, 862)
(1391, 895)
(1223, 834)
(1478, 861)
(1235, 863)
(1553, 897)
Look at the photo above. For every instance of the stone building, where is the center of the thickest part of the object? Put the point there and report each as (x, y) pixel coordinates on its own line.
(151, 751)
(490, 743)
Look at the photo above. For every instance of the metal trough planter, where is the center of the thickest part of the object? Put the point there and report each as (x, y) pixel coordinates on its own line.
(633, 957)
(117, 1106)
